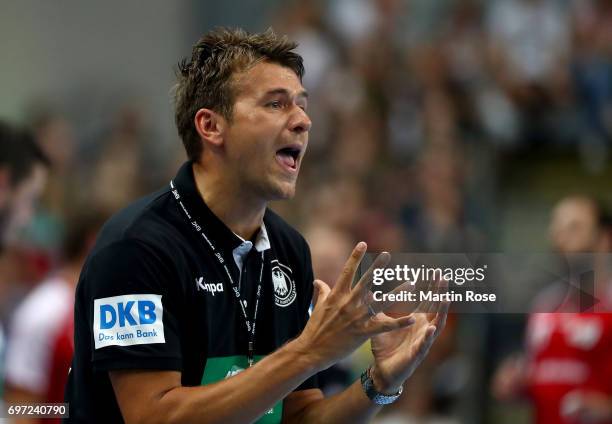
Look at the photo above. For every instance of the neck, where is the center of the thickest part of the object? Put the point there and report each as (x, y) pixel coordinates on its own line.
(240, 211)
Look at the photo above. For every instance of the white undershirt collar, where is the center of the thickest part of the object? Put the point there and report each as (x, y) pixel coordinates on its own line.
(262, 243)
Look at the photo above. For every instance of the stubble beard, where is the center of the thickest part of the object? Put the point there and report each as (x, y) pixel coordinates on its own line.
(273, 187)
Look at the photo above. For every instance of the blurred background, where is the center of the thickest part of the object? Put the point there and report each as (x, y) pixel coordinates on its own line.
(438, 126)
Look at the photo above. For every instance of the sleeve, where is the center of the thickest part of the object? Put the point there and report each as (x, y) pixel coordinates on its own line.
(131, 301)
(306, 304)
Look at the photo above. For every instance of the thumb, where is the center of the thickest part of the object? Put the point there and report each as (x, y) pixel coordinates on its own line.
(320, 293)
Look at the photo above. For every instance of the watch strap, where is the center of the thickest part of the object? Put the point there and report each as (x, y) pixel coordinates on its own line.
(375, 396)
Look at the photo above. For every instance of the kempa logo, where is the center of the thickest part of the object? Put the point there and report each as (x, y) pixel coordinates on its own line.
(211, 288)
(284, 286)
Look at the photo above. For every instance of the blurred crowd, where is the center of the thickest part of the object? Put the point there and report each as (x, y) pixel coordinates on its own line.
(417, 104)
(417, 107)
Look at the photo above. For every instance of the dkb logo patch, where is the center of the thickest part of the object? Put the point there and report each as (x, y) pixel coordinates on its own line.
(128, 320)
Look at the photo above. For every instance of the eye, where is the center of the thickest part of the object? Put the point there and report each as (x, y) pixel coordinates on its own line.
(275, 104)
(302, 103)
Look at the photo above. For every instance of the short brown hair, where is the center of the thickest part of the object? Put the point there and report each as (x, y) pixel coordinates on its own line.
(205, 80)
(19, 152)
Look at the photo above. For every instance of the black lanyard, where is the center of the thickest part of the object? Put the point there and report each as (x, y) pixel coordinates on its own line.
(250, 325)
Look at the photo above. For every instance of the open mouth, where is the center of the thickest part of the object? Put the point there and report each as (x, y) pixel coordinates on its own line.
(288, 157)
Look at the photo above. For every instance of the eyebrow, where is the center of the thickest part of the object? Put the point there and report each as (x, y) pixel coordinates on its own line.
(284, 91)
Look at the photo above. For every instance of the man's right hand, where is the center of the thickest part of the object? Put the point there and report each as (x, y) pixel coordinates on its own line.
(341, 320)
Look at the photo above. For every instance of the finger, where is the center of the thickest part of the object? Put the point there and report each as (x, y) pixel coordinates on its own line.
(442, 287)
(426, 341)
(382, 323)
(440, 320)
(368, 298)
(435, 307)
(365, 282)
(424, 305)
(350, 267)
(321, 292)
(384, 305)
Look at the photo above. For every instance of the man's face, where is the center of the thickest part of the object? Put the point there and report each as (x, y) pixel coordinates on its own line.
(19, 207)
(574, 227)
(268, 135)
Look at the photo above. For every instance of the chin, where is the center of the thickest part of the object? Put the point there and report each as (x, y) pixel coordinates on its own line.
(282, 191)
(284, 195)
(274, 188)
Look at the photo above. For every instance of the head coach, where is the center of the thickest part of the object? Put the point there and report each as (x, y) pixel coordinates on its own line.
(193, 305)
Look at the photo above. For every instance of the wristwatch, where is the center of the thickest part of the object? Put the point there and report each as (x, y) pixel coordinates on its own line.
(378, 398)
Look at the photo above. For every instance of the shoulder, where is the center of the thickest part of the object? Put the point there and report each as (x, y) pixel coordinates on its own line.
(150, 226)
(146, 219)
(138, 248)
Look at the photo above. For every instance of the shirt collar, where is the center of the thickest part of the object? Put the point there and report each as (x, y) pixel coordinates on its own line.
(213, 227)
(261, 244)
(261, 240)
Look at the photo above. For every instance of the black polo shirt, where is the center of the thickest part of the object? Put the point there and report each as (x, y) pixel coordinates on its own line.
(152, 295)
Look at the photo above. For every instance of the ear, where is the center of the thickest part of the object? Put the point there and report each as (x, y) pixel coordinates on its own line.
(210, 126)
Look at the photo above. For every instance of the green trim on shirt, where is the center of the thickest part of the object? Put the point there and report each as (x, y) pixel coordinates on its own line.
(220, 368)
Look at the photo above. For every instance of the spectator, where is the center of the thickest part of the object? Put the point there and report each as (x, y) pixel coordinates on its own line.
(23, 171)
(566, 370)
(40, 344)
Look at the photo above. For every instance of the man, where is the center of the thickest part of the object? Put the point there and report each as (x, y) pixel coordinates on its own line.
(40, 347)
(23, 172)
(193, 305)
(566, 371)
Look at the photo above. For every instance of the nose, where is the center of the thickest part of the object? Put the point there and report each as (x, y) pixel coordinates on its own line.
(300, 122)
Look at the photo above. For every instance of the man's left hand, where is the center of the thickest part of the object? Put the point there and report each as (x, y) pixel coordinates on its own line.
(398, 353)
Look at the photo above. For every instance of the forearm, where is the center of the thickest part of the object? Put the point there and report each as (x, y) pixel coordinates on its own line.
(350, 406)
(239, 399)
